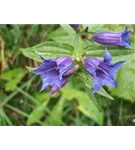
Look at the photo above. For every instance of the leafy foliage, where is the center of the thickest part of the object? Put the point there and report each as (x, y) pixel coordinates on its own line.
(86, 106)
(48, 50)
(13, 77)
(126, 82)
(75, 104)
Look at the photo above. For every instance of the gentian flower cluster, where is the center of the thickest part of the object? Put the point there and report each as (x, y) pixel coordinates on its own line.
(56, 72)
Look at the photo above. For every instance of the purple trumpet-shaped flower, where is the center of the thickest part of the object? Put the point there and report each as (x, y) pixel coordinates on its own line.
(75, 26)
(103, 71)
(113, 38)
(55, 72)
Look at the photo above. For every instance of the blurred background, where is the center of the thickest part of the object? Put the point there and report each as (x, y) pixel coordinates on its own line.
(21, 103)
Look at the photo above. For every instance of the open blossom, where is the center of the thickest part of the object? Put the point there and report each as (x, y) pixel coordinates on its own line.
(103, 71)
(75, 26)
(55, 72)
(113, 38)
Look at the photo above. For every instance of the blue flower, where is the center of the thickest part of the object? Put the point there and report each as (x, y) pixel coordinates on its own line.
(103, 71)
(75, 26)
(113, 38)
(55, 72)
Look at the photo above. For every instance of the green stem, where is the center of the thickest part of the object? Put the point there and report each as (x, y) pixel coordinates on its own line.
(21, 113)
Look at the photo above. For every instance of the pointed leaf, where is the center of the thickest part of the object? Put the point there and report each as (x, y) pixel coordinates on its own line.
(61, 36)
(48, 50)
(68, 29)
(118, 53)
(86, 105)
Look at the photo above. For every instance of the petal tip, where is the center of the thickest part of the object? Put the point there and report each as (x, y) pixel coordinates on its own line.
(107, 56)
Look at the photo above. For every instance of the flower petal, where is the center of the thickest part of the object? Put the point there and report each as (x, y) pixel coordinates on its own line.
(64, 60)
(70, 71)
(44, 85)
(127, 33)
(58, 83)
(97, 84)
(115, 67)
(105, 78)
(45, 66)
(126, 43)
(64, 63)
(107, 56)
(90, 64)
(55, 88)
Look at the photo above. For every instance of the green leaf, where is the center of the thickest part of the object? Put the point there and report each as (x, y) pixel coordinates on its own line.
(93, 27)
(86, 105)
(89, 109)
(48, 50)
(68, 29)
(61, 36)
(13, 77)
(39, 110)
(78, 47)
(55, 117)
(105, 94)
(118, 53)
(126, 82)
(92, 96)
(58, 32)
(88, 85)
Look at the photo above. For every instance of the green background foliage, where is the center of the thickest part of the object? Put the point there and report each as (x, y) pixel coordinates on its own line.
(21, 103)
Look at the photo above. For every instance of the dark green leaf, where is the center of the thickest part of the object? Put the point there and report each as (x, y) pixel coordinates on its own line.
(48, 50)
